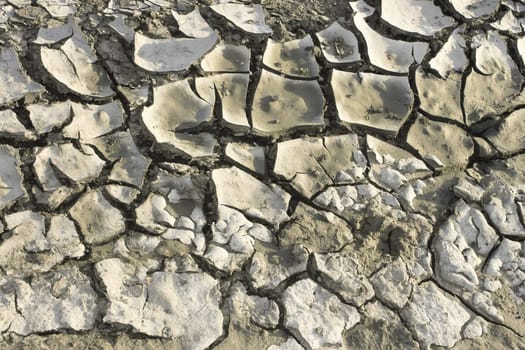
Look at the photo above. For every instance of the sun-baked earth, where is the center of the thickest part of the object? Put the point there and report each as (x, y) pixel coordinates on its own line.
(276, 175)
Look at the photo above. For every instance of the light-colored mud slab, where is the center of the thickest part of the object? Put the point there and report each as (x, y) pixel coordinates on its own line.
(135, 97)
(98, 220)
(509, 23)
(501, 203)
(12, 128)
(58, 300)
(92, 121)
(131, 8)
(270, 268)
(339, 45)
(153, 215)
(15, 84)
(10, 176)
(392, 168)
(46, 118)
(495, 85)
(392, 284)
(250, 157)
(317, 316)
(507, 137)
(342, 274)
(175, 109)
(278, 176)
(520, 43)
(249, 18)
(59, 8)
(507, 169)
(52, 162)
(129, 165)
(75, 65)
(168, 55)
(124, 31)
(38, 247)
(282, 104)
(513, 5)
(415, 16)
(192, 24)
(6, 11)
(452, 56)
(261, 311)
(234, 239)
(475, 8)
(436, 318)
(450, 144)
(252, 321)
(293, 58)
(264, 202)
(312, 164)
(440, 97)
(232, 89)
(384, 52)
(53, 35)
(227, 58)
(472, 257)
(428, 190)
(184, 307)
(174, 209)
(198, 146)
(377, 101)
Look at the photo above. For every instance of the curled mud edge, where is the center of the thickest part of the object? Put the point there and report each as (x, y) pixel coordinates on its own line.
(280, 175)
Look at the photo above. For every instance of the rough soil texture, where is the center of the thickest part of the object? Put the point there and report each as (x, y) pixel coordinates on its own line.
(273, 174)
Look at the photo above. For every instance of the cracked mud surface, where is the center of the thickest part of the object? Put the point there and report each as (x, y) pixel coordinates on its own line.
(262, 175)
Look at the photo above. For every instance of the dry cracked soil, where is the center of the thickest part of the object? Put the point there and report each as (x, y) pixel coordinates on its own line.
(272, 174)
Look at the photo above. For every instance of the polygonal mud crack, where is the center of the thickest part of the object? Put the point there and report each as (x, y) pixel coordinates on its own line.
(283, 175)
